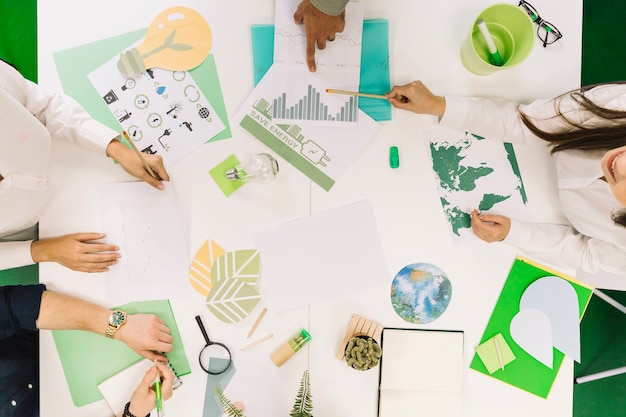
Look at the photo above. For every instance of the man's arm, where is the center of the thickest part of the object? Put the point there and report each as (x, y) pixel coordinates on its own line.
(330, 7)
(322, 19)
(144, 333)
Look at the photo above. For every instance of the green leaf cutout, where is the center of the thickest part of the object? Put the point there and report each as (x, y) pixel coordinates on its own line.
(233, 294)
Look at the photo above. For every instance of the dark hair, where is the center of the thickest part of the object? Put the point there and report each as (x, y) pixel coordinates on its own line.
(595, 138)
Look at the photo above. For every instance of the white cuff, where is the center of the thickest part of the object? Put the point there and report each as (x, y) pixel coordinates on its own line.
(15, 254)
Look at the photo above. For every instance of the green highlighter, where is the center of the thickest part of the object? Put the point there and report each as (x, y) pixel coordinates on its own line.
(158, 392)
(394, 157)
(494, 54)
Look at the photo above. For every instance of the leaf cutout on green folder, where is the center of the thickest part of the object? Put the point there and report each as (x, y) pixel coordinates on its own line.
(233, 293)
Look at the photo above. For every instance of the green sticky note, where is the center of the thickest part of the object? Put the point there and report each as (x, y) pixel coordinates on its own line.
(88, 358)
(218, 173)
(488, 353)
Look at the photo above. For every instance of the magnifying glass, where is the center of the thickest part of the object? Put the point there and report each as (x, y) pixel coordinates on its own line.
(215, 357)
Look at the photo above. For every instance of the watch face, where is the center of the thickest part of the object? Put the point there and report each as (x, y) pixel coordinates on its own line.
(117, 318)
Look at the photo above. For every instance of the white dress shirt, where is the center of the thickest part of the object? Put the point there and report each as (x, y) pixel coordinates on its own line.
(592, 241)
(29, 117)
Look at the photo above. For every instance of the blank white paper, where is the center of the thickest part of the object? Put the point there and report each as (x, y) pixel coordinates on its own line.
(322, 256)
(145, 223)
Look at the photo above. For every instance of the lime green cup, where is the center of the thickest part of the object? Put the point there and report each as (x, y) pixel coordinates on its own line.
(513, 34)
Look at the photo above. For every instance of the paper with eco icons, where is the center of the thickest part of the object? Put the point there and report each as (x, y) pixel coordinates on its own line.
(164, 112)
(548, 317)
(227, 279)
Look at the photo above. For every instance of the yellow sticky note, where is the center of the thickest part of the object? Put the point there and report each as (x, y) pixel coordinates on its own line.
(495, 353)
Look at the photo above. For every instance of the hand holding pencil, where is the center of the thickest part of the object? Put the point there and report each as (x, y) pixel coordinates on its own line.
(415, 97)
(143, 166)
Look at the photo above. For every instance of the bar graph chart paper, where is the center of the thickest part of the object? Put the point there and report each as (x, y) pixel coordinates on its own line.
(311, 107)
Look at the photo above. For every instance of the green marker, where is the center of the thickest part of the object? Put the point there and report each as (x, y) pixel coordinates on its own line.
(158, 393)
(494, 55)
(394, 158)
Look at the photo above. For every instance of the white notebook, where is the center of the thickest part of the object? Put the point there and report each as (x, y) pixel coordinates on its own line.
(421, 373)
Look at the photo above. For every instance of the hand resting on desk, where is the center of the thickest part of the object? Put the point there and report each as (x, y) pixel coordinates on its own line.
(76, 251)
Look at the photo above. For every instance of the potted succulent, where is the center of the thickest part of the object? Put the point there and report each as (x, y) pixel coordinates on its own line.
(362, 353)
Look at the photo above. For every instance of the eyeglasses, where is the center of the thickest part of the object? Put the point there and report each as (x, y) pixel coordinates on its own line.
(214, 357)
(546, 31)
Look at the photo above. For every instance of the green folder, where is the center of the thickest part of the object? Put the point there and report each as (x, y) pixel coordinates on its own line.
(602, 344)
(374, 63)
(75, 64)
(88, 358)
(525, 372)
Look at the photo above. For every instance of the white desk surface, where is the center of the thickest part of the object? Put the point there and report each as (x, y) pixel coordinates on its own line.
(424, 37)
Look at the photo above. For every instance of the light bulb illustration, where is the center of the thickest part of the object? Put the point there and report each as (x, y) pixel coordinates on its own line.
(178, 39)
(261, 168)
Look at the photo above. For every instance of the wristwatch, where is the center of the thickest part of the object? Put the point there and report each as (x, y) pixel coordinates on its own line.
(116, 320)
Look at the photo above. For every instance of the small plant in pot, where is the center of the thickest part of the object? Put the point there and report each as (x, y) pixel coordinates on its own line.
(362, 353)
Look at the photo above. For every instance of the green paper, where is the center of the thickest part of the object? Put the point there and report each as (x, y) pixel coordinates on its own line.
(25, 275)
(374, 78)
(525, 372)
(18, 40)
(88, 358)
(603, 43)
(602, 341)
(75, 64)
(218, 173)
(488, 353)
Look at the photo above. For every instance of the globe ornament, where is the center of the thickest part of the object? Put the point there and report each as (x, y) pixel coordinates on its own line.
(420, 293)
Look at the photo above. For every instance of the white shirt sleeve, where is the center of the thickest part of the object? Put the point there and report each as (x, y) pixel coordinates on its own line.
(15, 254)
(562, 244)
(60, 114)
(499, 119)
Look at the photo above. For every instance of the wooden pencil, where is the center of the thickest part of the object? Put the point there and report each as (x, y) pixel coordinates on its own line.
(356, 93)
(257, 342)
(143, 161)
(256, 323)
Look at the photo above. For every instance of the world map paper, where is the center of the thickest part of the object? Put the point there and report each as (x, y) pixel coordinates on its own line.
(474, 173)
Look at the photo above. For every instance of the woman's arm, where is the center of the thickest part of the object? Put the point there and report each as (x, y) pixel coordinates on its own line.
(557, 244)
(59, 113)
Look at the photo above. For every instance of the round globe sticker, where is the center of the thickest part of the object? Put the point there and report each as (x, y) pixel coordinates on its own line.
(420, 293)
